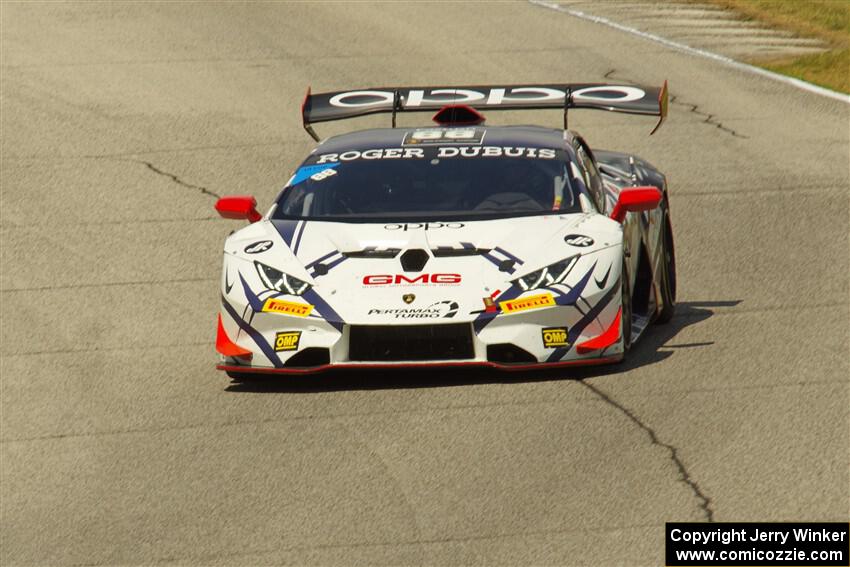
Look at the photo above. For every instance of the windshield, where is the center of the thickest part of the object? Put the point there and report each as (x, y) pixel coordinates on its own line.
(430, 183)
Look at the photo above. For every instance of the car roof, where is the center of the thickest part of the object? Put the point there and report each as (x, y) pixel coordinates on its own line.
(521, 136)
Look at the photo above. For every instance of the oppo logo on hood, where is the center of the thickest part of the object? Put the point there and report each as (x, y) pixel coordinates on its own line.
(427, 225)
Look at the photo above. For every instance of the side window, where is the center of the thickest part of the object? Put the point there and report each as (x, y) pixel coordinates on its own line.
(592, 179)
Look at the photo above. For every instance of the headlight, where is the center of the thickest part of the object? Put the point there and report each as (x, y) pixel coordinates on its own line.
(550, 275)
(277, 280)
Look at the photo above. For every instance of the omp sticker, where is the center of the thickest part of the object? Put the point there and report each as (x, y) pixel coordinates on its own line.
(315, 172)
(554, 337)
(287, 340)
(287, 308)
(526, 303)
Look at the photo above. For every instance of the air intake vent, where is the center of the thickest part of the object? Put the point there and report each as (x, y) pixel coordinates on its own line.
(459, 115)
(449, 252)
(506, 353)
(373, 252)
(313, 356)
(414, 260)
(411, 342)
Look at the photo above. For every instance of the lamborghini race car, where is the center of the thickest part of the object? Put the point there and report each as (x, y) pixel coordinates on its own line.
(452, 244)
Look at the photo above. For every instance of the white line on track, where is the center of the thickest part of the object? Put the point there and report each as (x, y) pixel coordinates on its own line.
(695, 51)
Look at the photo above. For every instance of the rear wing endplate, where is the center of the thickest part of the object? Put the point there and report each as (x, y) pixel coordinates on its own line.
(340, 105)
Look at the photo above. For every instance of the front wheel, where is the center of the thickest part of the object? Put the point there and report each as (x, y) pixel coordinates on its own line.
(626, 306)
(668, 274)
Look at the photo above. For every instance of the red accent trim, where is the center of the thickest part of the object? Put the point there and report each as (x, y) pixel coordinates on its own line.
(225, 346)
(606, 339)
(662, 107)
(459, 115)
(635, 200)
(239, 207)
(423, 365)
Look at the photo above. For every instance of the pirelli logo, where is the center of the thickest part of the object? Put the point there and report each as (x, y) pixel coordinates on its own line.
(554, 337)
(287, 340)
(287, 308)
(526, 303)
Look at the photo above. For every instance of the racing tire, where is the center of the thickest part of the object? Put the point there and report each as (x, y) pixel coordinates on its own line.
(668, 274)
(626, 306)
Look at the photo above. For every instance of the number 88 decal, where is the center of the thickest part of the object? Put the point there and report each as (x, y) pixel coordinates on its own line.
(323, 174)
(451, 134)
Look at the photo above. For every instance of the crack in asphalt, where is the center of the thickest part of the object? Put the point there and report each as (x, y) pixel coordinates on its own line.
(176, 179)
(122, 222)
(692, 108)
(684, 474)
(173, 177)
(106, 284)
(708, 118)
(102, 349)
(278, 420)
(390, 412)
(394, 543)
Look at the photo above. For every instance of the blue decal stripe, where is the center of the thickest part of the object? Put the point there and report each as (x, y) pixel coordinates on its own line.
(325, 310)
(336, 262)
(307, 171)
(286, 228)
(514, 291)
(497, 262)
(575, 294)
(484, 318)
(322, 259)
(299, 232)
(255, 302)
(508, 254)
(577, 329)
(253, 333)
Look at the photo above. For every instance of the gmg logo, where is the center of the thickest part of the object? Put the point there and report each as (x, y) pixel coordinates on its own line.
(422, 279)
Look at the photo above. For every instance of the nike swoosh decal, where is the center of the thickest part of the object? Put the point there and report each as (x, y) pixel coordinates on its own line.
(602, 283)
(227, 286)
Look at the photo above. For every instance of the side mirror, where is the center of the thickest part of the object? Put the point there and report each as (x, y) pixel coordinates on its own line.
(240, 207)
(635, 200)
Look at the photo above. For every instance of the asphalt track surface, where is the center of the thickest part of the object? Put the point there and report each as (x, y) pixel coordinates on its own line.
(122, 444)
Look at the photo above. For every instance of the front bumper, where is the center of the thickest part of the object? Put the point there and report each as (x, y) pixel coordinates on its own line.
(509, 367)
(282, 344)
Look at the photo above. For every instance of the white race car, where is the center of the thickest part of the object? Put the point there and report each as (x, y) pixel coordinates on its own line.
(456, 244)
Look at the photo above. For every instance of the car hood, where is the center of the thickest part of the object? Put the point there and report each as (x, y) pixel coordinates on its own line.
(357, 270)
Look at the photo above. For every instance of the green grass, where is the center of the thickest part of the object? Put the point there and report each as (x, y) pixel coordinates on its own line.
(827, 20)
(829, 69)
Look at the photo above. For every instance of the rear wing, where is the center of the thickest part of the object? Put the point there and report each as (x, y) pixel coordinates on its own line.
(340, 105)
